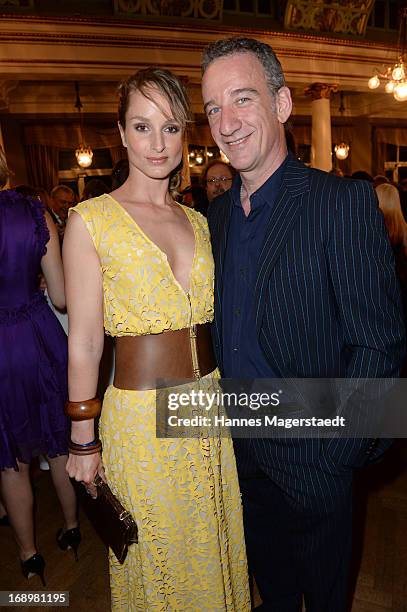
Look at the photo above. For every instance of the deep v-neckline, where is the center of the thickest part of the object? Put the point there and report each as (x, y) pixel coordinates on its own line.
(157, 248)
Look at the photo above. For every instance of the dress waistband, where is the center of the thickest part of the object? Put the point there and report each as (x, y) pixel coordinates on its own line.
(162, 360)
(9, 316)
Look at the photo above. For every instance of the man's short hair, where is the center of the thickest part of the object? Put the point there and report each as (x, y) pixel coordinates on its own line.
(264, 53)
(58, 188)
(362, 175)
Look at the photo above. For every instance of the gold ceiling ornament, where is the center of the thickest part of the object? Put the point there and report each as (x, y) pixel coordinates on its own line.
(195, 9)
(395, 75)
(17, 4)
(318, 91)
(345, 17)
(342, 149)
(83, 153)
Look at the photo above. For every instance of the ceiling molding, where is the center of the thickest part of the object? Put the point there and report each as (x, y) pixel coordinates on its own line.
(32, 24)
(52, 49)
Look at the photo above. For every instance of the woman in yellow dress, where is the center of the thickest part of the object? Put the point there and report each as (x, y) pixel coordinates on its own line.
(140, 266)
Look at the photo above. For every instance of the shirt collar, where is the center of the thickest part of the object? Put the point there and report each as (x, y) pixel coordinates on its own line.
(264, 194)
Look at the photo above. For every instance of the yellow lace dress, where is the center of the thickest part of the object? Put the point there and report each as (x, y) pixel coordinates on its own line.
(183, 493)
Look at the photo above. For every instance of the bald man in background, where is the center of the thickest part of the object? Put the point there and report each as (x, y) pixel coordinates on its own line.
(217, 178)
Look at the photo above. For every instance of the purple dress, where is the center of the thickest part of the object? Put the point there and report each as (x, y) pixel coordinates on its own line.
(33, 345)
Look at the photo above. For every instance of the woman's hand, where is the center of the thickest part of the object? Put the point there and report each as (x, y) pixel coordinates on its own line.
(85, 468)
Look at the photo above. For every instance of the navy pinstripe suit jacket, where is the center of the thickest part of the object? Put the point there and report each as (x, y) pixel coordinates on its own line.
(327, 299)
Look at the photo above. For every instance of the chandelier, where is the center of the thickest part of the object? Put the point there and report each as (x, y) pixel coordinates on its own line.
(395, 75)
(83, 153)
(342, 149)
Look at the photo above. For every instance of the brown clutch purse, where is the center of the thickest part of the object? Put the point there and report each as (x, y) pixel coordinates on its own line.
(112, 522)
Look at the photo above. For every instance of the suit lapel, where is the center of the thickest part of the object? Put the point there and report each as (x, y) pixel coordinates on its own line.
(223, 220)
(284, 214)
(219, 247)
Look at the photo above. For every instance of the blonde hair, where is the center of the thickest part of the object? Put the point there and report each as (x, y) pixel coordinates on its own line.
(389, 203)
(4, 171)
(173, 91)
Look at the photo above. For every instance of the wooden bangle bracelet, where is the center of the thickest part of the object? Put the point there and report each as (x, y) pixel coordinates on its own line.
(77, 449)
(81, 411)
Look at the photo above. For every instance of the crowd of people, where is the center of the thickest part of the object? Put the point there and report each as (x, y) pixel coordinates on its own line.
(282, 280)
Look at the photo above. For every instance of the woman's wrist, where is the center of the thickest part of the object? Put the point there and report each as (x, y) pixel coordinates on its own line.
(83, 432)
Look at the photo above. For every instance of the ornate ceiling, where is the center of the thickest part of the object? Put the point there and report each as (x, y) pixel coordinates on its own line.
(41, 57)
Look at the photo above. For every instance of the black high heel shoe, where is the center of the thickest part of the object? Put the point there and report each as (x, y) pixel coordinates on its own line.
(32, 566)
(71, 538)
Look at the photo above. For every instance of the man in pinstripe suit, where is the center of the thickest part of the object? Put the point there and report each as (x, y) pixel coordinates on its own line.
(304, 287)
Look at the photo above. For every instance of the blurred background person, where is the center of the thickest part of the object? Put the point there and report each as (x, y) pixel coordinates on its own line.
(217, 178)
(379, 179)
(33, 370)
(389, 203)
(120, 173)
(41, 194)
(61, 200)
(27, 190)
(195, 197)
(362, 175)
(403, 196)
(36, 192)
(94, 188)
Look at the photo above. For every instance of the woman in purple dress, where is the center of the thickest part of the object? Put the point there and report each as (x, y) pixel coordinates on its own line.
(33, 370)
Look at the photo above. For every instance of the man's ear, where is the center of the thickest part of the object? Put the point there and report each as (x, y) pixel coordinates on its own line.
(124, 143)
(284, 104)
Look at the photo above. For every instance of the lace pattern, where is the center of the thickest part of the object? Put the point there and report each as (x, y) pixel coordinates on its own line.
(141, 295)
(184, 496)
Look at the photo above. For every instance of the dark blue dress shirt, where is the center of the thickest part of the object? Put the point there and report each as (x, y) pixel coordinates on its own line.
(242, 354)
